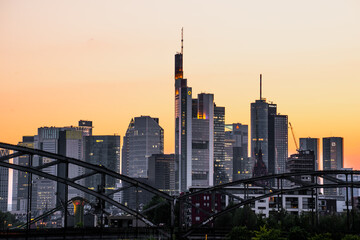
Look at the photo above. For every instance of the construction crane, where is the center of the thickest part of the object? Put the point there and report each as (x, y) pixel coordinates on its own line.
(292, 131)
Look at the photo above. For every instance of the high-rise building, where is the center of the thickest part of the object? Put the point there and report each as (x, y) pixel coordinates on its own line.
(144, 137)
(333, 153)
(67, 141)
(220, 174)
(203, 142)
(86, 127)
(162, 172)
(237, 162)
(102, 150)
(333, 158)
(44, 190)
(268, 134)
(4, 183)
(311, 144)
(20, 178)
(199, 133)
(71, 144)
(183, 126)
(281, 143)
(260, 130)
(303, 161)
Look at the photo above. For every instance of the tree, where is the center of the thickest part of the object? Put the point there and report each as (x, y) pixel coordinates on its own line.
(7, 220)
(267, 234)
(161, 211)
(298, 233)
(239, 233)
(323, 236)
(351, 237)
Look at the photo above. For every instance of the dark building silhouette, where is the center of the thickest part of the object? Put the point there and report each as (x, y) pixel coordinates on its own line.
(333, 158)
(281, 144)
(303, 161)
(161, 172)
(4, 182)
(260, 170)
(237, 163)
(20, 191)
(220, 171)
(268, 134)
(103, 150)
(313, 145)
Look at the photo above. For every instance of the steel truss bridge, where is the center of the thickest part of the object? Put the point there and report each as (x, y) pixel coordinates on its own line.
(184, 201)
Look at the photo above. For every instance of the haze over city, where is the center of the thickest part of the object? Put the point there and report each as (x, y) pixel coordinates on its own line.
(62, 61)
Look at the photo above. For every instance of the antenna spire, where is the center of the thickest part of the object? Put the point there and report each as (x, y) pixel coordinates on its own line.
(182, 40)
(260, 86)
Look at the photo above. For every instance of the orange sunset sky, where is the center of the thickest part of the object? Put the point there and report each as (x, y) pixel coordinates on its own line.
(109, 61)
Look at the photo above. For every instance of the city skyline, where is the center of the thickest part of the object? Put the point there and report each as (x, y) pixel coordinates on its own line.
(56, 70)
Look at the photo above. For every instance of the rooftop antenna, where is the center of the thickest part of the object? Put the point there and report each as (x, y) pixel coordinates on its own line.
(260, 86)
(182, 40)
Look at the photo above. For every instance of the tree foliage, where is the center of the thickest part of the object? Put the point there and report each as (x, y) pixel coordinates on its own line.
(7, 220)
(159, 214)
(239, 233)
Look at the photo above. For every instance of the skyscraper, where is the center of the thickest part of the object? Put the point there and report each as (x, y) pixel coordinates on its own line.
(144, 137)
(183, 126)
(162, 172)
(281, 143)
(333, 153)
(333, 158)
(20, 178)
(4, 182)
(44, 190)
(203, 141)
(103, 150)
(220, 175)
(303, 161)
(268, 134)
(313, 145)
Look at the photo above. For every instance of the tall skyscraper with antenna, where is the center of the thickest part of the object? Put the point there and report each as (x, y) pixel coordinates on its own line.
(268, 136)
(183, 125)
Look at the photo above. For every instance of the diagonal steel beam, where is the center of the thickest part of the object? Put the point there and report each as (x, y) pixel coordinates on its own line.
(118, 190)
(47, 165)
(10, 156)
(333, 179)
(155, 206)
(297, 181)
(74, 179)
(231, 195)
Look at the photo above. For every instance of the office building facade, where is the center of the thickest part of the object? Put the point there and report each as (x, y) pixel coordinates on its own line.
(237, 162)
(220, 171)
(203, 141)
(268, 135)
(161, 173)
(303, 161)
(103, 150)
(4, 183)
(333, 158)
(144, 137)
(281, 143)
(21, 179)
(311, 144)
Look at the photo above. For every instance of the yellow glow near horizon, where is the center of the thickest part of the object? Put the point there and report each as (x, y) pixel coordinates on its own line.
(62, 61)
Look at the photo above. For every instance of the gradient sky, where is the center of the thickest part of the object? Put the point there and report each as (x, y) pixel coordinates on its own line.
(109, 61)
